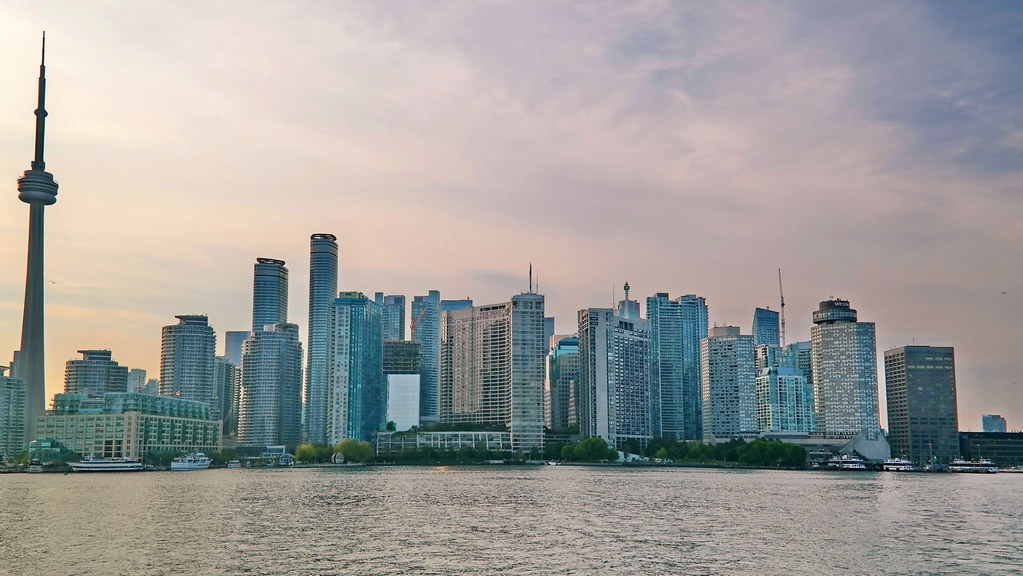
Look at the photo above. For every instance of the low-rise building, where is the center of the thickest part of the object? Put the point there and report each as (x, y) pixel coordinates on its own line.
(130, 425)
(397, 442)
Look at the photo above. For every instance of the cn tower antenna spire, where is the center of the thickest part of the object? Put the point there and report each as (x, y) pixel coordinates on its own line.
(38, 163)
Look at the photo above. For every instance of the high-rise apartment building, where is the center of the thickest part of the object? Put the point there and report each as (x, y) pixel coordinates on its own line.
(766, 327)
(992, 423)
(95, 374)
(729, 384)
(426, 313)
(844, 367)
(561, 384)
(187, 352)
(137, 380)
(617, 397)
(676, 328)
(323, 280)
(269, 293)
(392, 310)
(270, 410)
(227, 380)
(234, 340)
(492, 368)
(357, 402)
(12, 415)
(784, 400)
(920, 388)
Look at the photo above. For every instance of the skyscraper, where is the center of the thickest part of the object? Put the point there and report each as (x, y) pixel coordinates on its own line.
(492, 368)
(269, 293)
(187, 350)
(560, 386)
(38, 189)
(784, 400)
(765, 327)
(401, 368)
(233, 342)
(392, 307)
(844, 367)
(667, 361)
(12, 415)
(617, 399)
(95, 374)
(358, 398)
(270, 411)
(426, 312)
(694, 329)
(227, 382)
(729, 384)
(137, 380)
(323, 278)
(920, 387)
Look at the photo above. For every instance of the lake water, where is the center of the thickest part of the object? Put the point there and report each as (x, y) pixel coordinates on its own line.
(509, 520)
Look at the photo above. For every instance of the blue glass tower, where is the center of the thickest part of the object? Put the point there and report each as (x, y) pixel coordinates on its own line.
(323, 279)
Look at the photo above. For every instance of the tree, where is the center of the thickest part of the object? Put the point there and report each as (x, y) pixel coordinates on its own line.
(305, 452)
(354, 450)
(568, 452)
(661, 454)
(594, 449)
(391, 426)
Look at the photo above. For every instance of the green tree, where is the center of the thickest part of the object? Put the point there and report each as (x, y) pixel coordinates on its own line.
(305, 452)
(391, 426)
(594, 449)
(568, 452)
(354, 450)
(662, 454)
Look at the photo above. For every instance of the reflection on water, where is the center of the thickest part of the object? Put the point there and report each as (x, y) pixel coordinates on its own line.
(491, 520)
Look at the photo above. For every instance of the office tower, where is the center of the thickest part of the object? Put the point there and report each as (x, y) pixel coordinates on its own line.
(269, 293)
(323, 278)
(426, 313)
(992, 423)
(844, 367)
(676, 328)
(12, 415)
(38, 189)
(765, 327)
(270, 411)
(617, 399)
(561, 383)
(137, 379)
(401, 368)
(233, 342)
(392, 309)
(95, 374)
(799, 355)
(920, 387)
(227, 380)
(492, 368)
(187, 350)
(358, 398)
(729, 384)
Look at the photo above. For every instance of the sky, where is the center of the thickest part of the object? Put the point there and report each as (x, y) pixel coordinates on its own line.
(871, 151)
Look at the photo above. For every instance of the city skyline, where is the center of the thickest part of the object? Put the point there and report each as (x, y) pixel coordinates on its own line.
(883, 168)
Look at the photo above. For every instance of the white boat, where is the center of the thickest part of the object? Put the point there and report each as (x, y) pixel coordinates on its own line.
(89, 464)
(975, 466)
(846, 462)
(898, 465)
(234, 464)
(193, 461)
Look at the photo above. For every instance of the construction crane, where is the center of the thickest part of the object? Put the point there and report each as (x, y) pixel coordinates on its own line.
(417, 319)
(782, 294)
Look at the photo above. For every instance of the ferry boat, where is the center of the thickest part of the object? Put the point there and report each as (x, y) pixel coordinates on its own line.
(89, 464)
(976, 466)
(846, 462)
(193, 461)
(898, 465)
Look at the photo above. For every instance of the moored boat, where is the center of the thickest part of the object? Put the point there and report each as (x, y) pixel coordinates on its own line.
(975, 466)
(234, 464)
(898, 465)
(846, 462)
(89, 464)
(193, 461)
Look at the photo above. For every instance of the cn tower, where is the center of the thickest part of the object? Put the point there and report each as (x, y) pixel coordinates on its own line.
(38, 189)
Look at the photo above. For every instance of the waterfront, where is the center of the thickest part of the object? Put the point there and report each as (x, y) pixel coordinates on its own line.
(510, 520)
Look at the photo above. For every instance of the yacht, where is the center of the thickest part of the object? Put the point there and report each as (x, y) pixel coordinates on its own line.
(898, 465)
(234, 464)
(193, 461)
(89, 464)
(976, 466)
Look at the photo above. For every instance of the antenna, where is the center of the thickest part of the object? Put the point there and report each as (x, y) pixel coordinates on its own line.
(781, 293)
(530, 277)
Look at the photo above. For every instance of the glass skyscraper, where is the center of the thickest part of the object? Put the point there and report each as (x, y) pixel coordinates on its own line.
(357, 404)
(270, 411)
(561, 383)
(920, 388)
(187, 353)
(765, 327)
(426, 311)
(269, 293)
(323, 280)
(392, 307)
